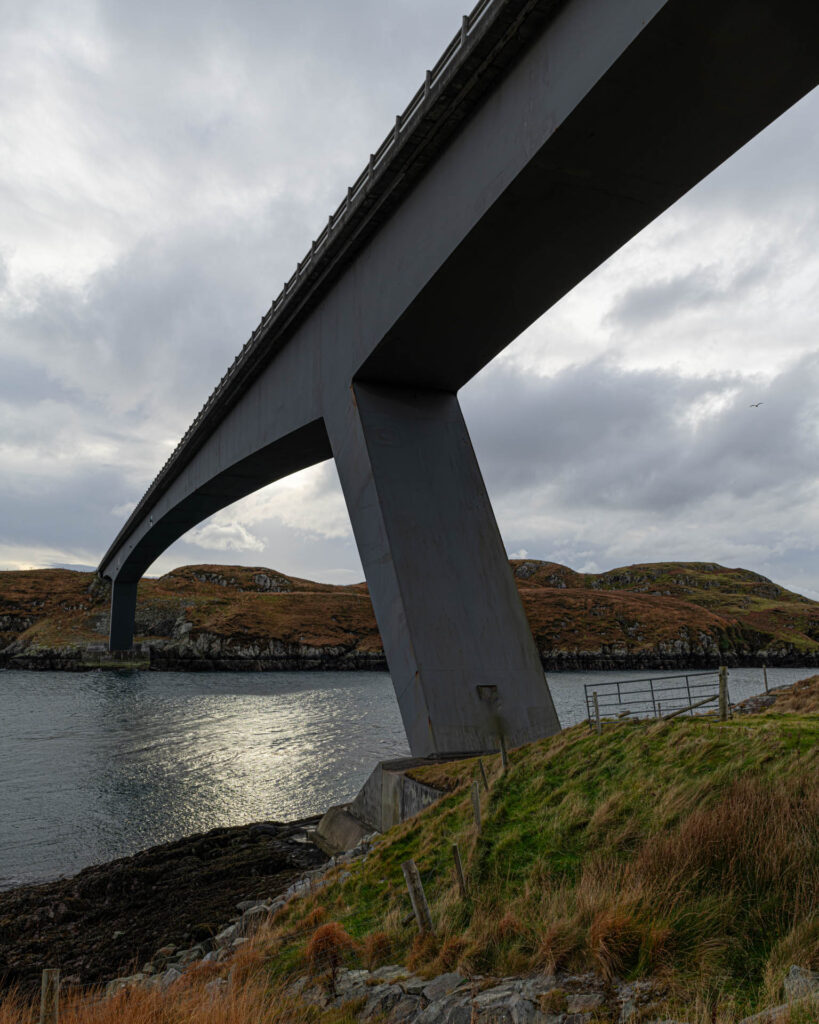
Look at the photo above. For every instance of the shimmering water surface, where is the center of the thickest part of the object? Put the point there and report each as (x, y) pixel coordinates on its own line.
(100, 764)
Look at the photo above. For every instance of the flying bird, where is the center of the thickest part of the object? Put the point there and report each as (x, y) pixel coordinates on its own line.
(755, 405)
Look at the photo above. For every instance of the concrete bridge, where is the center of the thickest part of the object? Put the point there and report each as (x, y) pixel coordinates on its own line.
(549, 133)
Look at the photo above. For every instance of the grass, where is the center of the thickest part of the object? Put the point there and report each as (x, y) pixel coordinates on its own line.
(687, 851)
(250, 997)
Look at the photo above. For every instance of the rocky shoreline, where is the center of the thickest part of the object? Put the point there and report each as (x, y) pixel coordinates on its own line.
(315, 660)
(113, 917)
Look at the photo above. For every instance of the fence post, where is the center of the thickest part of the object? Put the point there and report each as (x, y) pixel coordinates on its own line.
(653, 698)
(723, 693)
(417, 896)
(598, 723)
(765, 676)
(459, 870)
(504, 754)
(483, 774)
(50, 996)
(476, 805)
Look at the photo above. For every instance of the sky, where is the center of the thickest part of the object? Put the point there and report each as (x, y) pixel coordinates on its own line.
(164, 165)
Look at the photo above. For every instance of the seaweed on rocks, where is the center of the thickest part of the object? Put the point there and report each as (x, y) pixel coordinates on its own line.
(112, 917)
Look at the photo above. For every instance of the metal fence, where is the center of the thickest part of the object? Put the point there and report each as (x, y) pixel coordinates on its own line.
(655, 697)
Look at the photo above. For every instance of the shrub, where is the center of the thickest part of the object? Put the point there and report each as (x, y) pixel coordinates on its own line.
(328, 949)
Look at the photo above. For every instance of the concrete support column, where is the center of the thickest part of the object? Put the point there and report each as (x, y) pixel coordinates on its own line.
(123, 609)
(460, 651)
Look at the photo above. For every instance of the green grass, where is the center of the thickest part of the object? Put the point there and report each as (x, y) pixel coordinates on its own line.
(687, 850)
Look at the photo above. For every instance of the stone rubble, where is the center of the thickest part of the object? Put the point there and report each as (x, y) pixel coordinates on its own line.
(399, 997)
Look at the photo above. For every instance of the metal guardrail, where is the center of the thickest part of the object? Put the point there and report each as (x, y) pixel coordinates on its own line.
(356, 193)
(653, 697)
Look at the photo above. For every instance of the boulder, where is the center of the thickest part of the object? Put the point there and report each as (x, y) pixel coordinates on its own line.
(800, 982)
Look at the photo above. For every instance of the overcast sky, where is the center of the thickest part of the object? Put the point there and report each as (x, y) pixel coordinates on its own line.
(164, 165)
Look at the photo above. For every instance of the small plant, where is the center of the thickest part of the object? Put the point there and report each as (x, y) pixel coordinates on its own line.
(377, 949)
(328, 949)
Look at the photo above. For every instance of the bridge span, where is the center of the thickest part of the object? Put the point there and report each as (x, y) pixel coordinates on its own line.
(549, 133)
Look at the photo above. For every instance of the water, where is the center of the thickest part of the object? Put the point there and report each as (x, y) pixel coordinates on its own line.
(100, 764)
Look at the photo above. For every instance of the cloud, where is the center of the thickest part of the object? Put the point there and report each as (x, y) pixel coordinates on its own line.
(164, 166)
(224, 537)
(605, 465)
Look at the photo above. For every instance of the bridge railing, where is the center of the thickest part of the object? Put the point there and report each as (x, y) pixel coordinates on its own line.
(356, 194)
(653, 697)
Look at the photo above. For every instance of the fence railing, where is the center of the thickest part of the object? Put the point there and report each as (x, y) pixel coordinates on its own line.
(657, 696)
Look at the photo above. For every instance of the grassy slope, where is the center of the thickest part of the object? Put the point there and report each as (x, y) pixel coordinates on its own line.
(629, 610)
(687, 850)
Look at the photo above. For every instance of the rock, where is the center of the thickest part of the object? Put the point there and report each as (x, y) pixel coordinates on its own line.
(351, 984)
(584, 1002)
(169, 977)
(442, 986)
(188, 956)
(245, 905)
(452, 1009)
(215, 987)
(381, 1000)
(119, 984)
(253, 919)
(390, 973)
(166, 951)
(237, 942)
(535, 988)
(505, 1005)
(800, 982)
(404, 1010)
(226, 936)
(414, 986)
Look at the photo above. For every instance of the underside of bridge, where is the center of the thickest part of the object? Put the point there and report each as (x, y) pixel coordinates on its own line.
(553, 132)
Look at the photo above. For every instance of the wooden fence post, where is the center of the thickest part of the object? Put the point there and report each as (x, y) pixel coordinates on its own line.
(483, 774)
(417, 896)
(50, 996)
(476, 805)
(723, 693)
(459, 870)
(598, 723)
(765, 676)
(504, 754)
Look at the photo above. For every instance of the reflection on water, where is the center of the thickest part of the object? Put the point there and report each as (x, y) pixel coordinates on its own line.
(101, 764)
(98, 765)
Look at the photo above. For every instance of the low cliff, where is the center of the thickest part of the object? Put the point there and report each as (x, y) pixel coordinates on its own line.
(659, 615)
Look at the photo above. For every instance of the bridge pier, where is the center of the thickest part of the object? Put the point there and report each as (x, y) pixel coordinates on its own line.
(123, 609)
(459, 648)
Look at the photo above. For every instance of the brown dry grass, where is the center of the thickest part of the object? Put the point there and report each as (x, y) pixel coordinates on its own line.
(631, 609)
(802, 698)
(237, 992)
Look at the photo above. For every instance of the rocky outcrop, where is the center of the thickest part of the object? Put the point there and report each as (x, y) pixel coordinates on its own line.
(201, 618)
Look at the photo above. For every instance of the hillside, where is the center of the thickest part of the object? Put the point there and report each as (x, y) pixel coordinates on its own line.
(659, 615)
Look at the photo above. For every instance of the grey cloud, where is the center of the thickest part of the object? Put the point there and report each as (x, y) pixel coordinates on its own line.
(652, 303)
(604, 437)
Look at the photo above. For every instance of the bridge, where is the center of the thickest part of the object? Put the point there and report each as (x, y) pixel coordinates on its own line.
(548, 134)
